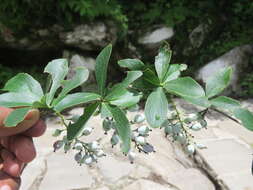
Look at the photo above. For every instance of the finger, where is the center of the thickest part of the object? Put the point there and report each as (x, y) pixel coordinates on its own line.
(37, 130)
(31, 118)
(8, 183)
(23, 148)
(11, 165)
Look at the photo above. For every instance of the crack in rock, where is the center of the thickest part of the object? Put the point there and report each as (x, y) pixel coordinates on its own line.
(36, 183)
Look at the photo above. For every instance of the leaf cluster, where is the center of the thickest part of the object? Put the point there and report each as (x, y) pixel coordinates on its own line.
(164, 81)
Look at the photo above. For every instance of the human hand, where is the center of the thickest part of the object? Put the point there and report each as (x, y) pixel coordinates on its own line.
(17, 147)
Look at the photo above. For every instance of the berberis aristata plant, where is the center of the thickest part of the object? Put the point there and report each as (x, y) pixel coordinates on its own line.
(159, 84)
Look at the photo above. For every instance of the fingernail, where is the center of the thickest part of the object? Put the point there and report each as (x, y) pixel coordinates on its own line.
(5, 187)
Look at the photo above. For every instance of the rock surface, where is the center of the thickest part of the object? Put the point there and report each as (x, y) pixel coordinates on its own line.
(77, 60)
(155, 37)
(224, 165)
(92, 36)
(237, 58)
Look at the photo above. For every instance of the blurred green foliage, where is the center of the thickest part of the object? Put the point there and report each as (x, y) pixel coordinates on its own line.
(230, 22)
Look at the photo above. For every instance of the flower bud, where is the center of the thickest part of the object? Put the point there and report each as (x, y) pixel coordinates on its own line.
(139, 118)
(168, 129)
(115, 139)
(143, 130)
(78, 146)
(58, 144)
(191, 117)
(131, 156)
(78, 157)
(190, 149)
(87, 131)
(140, 140)
(87, 159)
(94, 146)
(203, 123)
(177, 128)
(181, 138)
(106, 125)
(100, 153)
(196, 127)
(67, 147)
(201, 146)
(134, 135)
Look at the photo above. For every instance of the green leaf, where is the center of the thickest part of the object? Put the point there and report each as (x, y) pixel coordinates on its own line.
(173, 73)
(79, 78)
(151, 77)
(131, 77)
(132, 64)
(15, 117)
(185, 87)
(200, 101)
(105, 112)
(76, 128)
(245, 116)
(225, 103)
(75, 99)
(58, 69)
(14, 99)
(101, 68)
(217, 83)
(23, 82)
(162, 61)
(122, 127)
(123, 98)
(156, 108)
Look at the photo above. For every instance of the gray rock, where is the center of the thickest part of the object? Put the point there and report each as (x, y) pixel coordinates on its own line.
(143, 184)
(191, 179)
(90, 36)
(77, 60)
(63, 173)
(154, 38)
(113, 170)
(198, 35)
(237, 58)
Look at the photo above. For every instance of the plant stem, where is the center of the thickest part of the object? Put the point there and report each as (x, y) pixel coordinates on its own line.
(226, 115)
(62, 119)
(187, 134)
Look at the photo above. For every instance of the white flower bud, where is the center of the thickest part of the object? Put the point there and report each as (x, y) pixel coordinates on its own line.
(190, 149)
(100, 153)
(139, 118)
(134, 135)
(88, 160)
(140, 140)
(87, 131)
(143, 130)
(131, 156)
(94, 145)
(78, 146)
(196, 127)
(201, 146)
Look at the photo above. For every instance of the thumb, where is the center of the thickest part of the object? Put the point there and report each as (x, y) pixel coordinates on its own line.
(30, 119)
